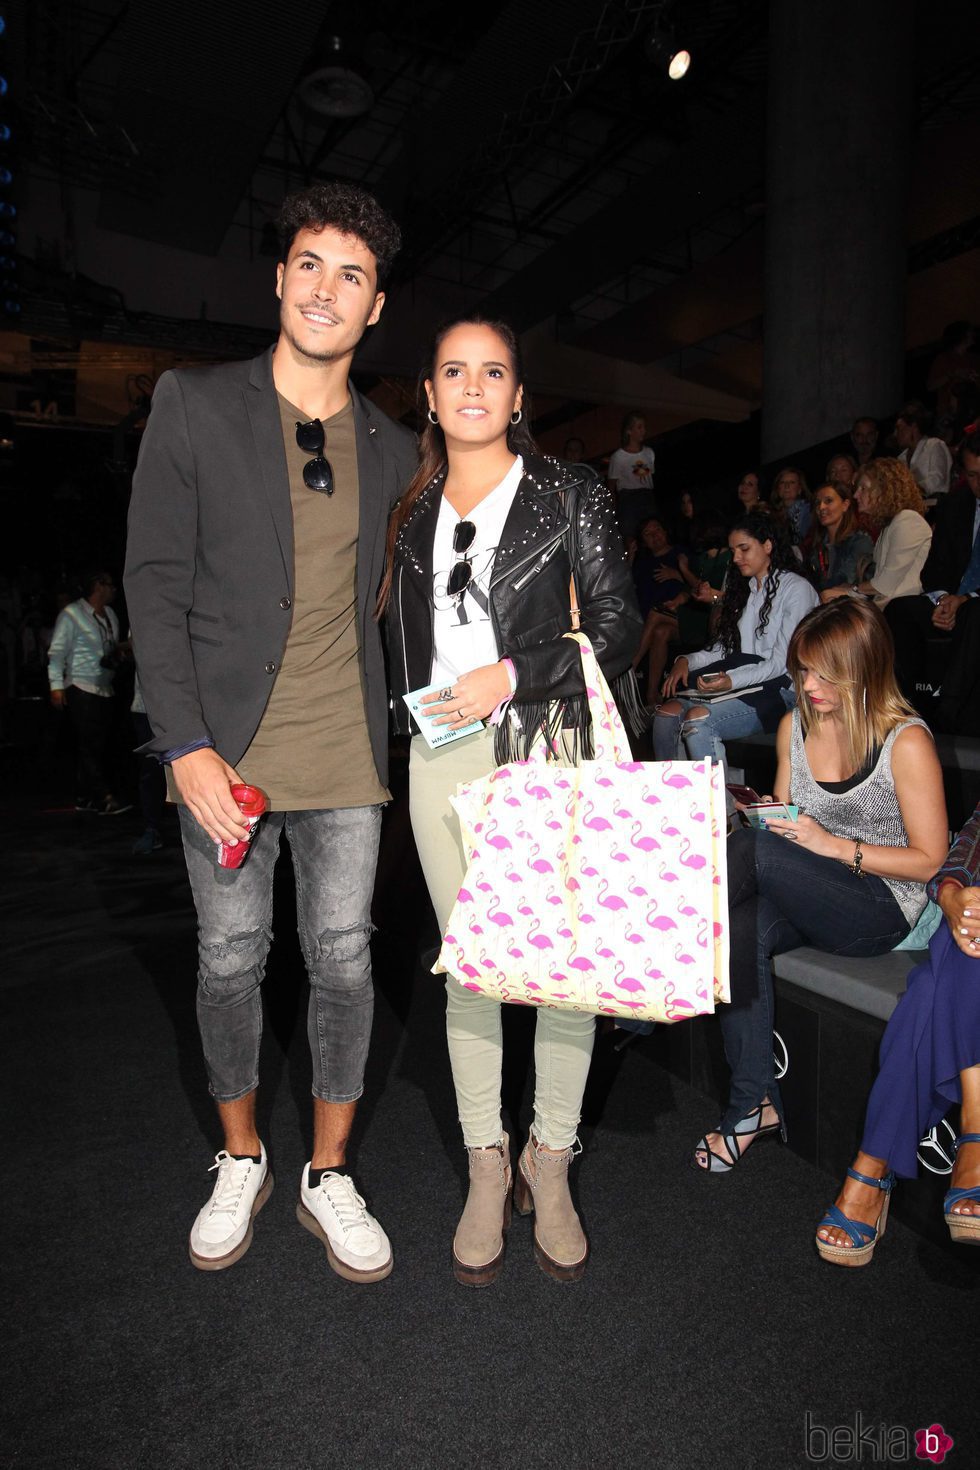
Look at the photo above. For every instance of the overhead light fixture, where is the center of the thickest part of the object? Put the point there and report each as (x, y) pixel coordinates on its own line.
(662, 51)
(335, 90)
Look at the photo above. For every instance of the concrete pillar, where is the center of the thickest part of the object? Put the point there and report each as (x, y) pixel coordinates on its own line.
(838, 157)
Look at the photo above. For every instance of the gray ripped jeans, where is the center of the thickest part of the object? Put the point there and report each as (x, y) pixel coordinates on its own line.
(334, 856)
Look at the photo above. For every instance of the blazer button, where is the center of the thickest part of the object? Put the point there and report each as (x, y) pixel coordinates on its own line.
(270, 668)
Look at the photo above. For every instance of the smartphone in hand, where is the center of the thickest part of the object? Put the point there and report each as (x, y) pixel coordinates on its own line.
(745, 795)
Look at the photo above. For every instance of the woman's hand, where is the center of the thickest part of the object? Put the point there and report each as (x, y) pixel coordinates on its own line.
(470, 698)
(675, 602)
(676, 678)
(809, 834)
(665, 574)
(715, 683)
(704, 592)
(961, 907)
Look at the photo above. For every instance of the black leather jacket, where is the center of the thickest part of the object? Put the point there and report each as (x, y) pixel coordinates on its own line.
(559, 512)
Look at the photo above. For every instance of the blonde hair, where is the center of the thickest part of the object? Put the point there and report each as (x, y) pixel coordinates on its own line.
(893, 488)
(776, 499)
(848, 644)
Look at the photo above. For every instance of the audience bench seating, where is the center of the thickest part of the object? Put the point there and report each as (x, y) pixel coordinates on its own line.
(830, 1016)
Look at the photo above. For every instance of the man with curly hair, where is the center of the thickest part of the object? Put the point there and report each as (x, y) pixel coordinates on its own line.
(256, 547)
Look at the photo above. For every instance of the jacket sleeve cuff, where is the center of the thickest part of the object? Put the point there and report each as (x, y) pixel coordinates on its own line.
(205, 743)
(945, 875)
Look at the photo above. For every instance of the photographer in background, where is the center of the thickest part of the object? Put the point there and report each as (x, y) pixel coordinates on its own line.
(82, 660)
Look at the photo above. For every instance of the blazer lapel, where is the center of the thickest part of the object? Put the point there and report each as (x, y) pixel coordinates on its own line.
(262, 407)
(372, 502)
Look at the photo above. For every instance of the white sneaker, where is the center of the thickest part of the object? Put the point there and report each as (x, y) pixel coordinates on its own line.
(222, 1232)
(357, 1247)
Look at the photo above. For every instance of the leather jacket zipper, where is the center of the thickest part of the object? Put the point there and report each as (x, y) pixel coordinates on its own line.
(540, 557)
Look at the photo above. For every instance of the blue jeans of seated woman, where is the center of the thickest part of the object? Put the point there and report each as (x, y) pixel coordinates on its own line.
(703, 738)
(780, 896)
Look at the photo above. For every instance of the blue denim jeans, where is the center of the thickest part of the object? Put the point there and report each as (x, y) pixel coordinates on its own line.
(335, 855)
(675, 734)
(781, 897)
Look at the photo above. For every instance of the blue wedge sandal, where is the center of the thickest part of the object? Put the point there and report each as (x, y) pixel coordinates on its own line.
(865, 1237)
(963, 1228)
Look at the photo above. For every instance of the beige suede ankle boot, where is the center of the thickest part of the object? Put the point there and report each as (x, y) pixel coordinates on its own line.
(541, 1186)
(478, 1249)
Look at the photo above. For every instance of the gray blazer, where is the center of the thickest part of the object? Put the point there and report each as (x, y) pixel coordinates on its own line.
(209, 563)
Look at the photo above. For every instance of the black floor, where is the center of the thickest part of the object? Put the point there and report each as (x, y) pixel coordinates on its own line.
(704, 1333)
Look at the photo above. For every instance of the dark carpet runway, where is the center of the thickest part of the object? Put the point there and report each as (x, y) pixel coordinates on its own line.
(704, 1333)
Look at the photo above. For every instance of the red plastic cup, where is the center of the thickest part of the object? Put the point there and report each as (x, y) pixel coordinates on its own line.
(251, 803)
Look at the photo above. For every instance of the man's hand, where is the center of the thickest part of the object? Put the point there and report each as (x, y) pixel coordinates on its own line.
(58, 698)
(961, 907)
(944, 615)
(204, 782)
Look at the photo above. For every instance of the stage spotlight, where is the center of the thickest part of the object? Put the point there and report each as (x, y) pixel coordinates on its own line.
(662, 52)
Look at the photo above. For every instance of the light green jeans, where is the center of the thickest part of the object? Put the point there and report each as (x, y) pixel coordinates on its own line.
(562, 1039)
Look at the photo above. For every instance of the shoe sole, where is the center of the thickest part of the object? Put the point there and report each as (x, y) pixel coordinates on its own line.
(221, 1263)
(350, 1273)
(557, 1270)
(962, 1232)
(486, 1275)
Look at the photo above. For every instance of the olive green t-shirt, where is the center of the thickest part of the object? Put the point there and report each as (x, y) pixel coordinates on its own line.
(312, 750)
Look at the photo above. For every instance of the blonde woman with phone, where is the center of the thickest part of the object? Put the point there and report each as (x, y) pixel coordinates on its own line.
(848, 875)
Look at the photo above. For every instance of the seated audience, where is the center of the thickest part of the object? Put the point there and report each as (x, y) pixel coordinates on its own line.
(864, 438)
(685, 519)
(749, 493)
(675, 611)
(927, 457)
(841, 471)
(763, 600)
(839, 550)
(887, 493)
(848, 875)
(791, 498)
(930, 1061)
(949, 609)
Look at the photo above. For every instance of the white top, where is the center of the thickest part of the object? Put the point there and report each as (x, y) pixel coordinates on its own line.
(632, 470)
(930, 463)
(462, 633)
(81, 639)
(900, 555)
(793, 600)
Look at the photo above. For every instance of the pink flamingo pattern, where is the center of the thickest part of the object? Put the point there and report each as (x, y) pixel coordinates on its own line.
(558, 909)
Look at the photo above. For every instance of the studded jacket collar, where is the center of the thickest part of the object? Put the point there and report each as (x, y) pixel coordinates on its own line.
(560, 514)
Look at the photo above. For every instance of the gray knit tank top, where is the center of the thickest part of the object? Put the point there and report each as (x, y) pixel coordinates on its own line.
(869, 812)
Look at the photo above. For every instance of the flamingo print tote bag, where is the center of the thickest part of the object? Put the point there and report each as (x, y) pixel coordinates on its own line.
(596, 887)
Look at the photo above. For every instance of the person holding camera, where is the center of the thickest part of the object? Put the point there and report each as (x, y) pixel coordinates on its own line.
(82, 661)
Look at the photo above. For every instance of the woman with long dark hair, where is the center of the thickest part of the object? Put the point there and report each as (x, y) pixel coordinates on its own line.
(840, 551)
(762, 602)
(481, 549)
(848, 876)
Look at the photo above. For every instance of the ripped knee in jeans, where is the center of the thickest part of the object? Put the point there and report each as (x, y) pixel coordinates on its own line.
(231, 968)
(343, 953)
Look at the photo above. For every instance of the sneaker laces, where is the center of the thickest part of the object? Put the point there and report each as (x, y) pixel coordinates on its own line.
(346, 1203)
(232, 1177)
